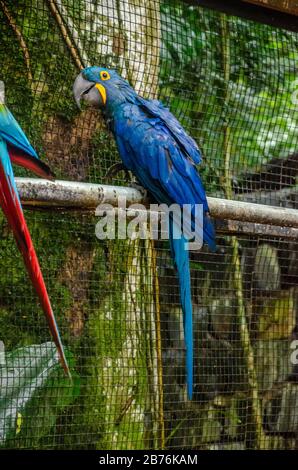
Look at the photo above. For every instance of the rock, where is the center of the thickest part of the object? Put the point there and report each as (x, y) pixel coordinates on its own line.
(280, 410)
(272, 360)
(277, 317)
(266, 268)
(222, 313)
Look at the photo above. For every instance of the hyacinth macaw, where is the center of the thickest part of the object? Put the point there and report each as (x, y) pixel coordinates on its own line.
(15, 148)
(156, 149)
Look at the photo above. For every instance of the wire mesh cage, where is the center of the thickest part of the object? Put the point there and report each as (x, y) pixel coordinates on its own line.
(232, 84)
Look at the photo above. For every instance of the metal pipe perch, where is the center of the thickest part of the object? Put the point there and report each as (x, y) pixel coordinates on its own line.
(76, 195)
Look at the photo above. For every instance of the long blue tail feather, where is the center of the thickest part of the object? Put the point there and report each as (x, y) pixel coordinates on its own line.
(180, 256)
(209, 233)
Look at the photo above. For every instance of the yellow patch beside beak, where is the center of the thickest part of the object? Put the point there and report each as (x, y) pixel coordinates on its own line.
(102, 92)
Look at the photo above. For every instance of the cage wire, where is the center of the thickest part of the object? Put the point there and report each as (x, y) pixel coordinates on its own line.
(230, 82)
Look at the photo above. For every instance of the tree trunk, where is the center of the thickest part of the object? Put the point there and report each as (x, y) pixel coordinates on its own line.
(127, 37)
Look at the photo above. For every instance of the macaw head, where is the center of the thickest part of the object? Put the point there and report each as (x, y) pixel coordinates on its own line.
(101, 87)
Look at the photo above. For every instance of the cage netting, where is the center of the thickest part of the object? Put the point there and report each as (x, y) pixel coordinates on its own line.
(232, 84)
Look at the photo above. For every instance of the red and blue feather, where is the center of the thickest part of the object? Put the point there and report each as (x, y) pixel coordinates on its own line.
(16, 148)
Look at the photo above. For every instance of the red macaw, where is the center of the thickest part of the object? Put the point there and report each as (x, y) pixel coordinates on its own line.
(15, 148)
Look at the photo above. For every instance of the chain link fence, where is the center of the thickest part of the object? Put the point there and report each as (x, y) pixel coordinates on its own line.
(232, 83)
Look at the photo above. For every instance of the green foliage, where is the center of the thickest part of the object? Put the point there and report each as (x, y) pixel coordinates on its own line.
(51, 66)
(27, 316)
(34, 391)
(263, 66)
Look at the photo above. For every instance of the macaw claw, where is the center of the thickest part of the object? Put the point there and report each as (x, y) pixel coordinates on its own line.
(115, 169)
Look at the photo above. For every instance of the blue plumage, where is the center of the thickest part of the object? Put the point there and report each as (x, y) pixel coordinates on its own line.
(155, 147)
(11, 132)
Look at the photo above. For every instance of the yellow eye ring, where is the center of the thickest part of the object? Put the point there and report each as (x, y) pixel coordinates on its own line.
(104, 75)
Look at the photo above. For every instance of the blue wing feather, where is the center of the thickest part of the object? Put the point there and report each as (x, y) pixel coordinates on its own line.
(12, 132)
(6, 164)
(149, 150)
(157, 109)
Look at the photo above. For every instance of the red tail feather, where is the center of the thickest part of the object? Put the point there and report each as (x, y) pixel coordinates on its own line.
(30, 163)
(14, 214)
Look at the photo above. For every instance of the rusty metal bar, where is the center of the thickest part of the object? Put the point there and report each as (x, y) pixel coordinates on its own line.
(249, 212)
(235, 227)
(70, 194)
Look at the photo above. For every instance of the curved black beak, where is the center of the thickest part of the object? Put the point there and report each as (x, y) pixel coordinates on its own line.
(93, 93)
(81, 87)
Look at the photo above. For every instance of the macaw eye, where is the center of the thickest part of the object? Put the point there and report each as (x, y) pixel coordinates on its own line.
(104, 75)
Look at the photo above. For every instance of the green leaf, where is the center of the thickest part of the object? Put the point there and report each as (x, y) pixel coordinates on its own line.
(33, 393)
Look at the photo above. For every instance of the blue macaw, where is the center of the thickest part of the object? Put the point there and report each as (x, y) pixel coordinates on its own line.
(15, 148)
(156, 149)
